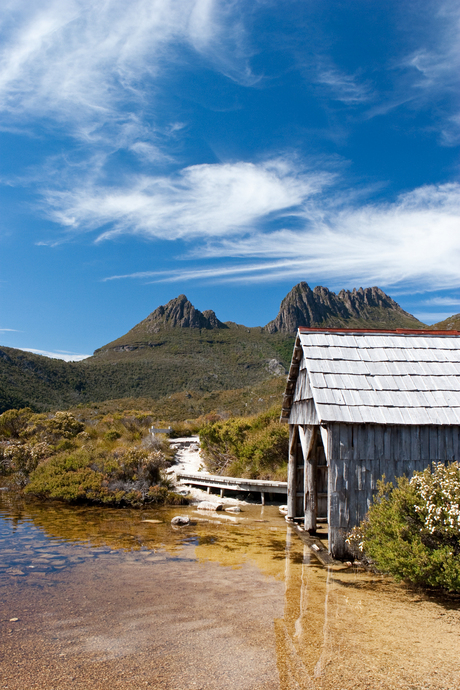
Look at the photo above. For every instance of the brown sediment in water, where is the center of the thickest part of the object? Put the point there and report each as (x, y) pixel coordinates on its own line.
(114, 602)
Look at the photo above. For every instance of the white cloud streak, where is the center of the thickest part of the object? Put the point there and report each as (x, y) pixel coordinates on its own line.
(66, 356)
(347, 88)
(413, 241)
(443, 301)
(200, 201)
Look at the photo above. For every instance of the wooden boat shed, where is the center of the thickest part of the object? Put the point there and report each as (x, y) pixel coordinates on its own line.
(362, 404)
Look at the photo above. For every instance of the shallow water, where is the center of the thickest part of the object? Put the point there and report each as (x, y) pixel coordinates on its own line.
(106, 599)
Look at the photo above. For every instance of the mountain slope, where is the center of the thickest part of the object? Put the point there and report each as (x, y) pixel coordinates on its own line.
(450, 324)
(178, 348)
(182, 348)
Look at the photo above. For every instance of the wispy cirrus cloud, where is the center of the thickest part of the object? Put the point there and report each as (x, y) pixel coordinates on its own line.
(434, 67)
(412, 241)
(347, 88)
(93, 66)
(443, 301)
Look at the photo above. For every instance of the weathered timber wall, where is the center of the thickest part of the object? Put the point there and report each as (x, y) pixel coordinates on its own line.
(303, 412)
(359, 455)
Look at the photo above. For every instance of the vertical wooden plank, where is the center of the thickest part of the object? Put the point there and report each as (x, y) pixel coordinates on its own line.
(433, 443)
(300, 497)
(405, 464)
(292, 472)
(425, 446)
(394, 450)
(378, 443)
(442, 443)
(333, 438)
(370, 442)
(337, 546)
(390, 464)
(310, 488)
(415, 449)
(455, 435)
(387, 443)
(308, 441)
(379, 457)
(449, 433)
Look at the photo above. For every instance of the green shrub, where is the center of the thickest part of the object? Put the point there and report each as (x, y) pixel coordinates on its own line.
(112, 435)
(126, 476)
(413, 530)
(67, 477)
(52, 429)
(13, 422)
(19, 459)
(255, 447)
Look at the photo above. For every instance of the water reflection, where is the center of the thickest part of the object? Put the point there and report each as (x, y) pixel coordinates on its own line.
(264, 612)
(348, 628)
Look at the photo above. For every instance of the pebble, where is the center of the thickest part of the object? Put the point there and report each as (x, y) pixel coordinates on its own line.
(208, 505)
(180, 520)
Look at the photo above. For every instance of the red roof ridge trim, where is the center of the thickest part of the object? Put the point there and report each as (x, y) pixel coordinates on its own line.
(398, 331)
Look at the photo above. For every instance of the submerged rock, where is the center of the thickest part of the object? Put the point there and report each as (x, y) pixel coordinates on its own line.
(208, 505)
(233, 509)
(180, 520)
(283, 510)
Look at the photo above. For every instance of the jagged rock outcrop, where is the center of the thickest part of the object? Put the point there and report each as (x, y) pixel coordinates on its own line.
(180, 313)
(213, 320)
(321, 307)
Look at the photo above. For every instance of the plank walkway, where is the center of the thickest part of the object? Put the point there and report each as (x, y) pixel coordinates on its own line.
(233, 484)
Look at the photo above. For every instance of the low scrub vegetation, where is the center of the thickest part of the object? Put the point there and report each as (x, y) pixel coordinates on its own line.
(255, 447)
(106, 459)
(413, 529)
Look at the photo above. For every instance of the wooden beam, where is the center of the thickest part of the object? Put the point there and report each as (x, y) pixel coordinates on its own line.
(292, 472)
(308, 438)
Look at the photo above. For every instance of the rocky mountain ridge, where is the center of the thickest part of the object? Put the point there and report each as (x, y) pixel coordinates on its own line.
(371, 307)
(180, 313)
(302, 306)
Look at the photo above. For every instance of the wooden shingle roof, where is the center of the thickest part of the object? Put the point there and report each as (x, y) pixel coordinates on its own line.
(377, 377)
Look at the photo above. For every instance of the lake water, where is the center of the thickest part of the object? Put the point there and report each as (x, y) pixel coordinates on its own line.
(106, 599)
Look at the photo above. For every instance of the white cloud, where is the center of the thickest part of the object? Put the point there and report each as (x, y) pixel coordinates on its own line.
(66, 356)
(436, 65)
(200, 201)
(9, 330)
(432, 317)
(443, 301)
(80, 60)
(343, 87)
(413, 241)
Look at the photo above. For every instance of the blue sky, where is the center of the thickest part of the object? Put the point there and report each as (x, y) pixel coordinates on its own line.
(225, 150)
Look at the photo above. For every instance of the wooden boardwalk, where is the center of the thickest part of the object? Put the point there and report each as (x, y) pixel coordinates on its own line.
(212, 481)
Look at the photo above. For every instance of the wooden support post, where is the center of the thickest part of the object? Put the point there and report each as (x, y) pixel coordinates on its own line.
(292, 473)
(311, 499)
(208, 490)
(262, 497)
(222, 493)
(308, 440)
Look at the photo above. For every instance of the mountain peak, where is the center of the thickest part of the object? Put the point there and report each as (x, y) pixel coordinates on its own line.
(180, 313)
(303, 306)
